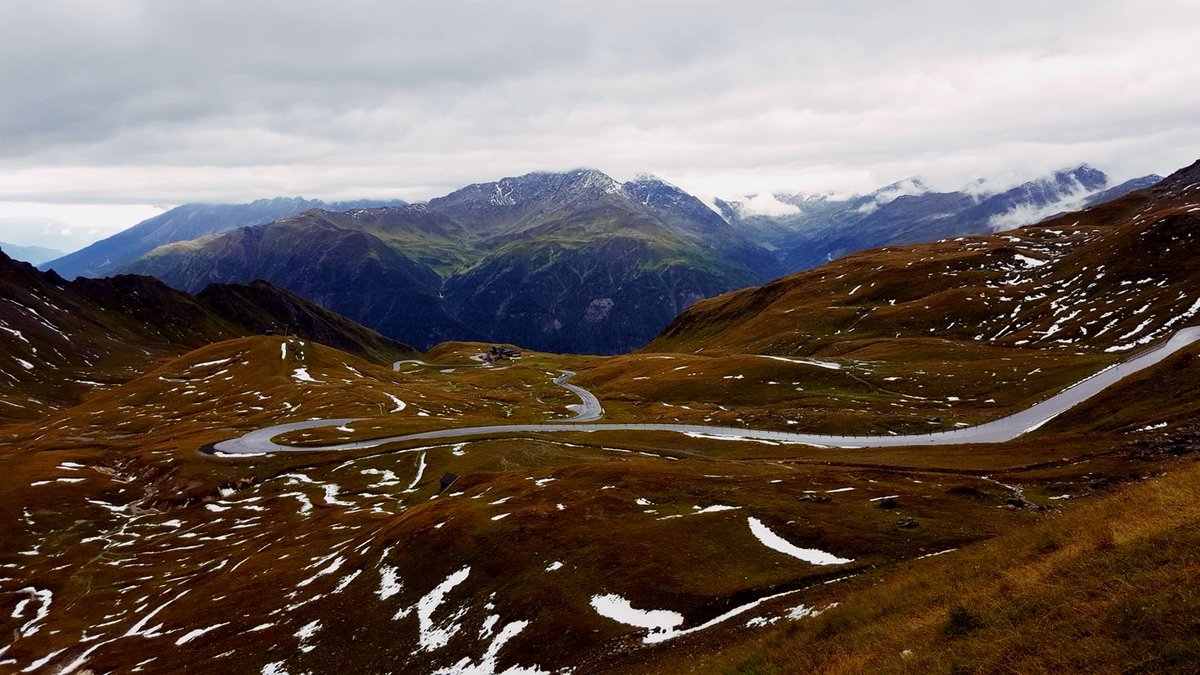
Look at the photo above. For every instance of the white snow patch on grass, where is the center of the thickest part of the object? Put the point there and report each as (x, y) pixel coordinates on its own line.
(803, 611)
(433, 636)
(487, 663)
(715, 508)
(400, 405)
(301, 374)
(346, 580)
(420, 472)
(830, 365)
(775, 542)
(44, 597)
(727, 437)
(389, 582)
(305, 634)
(331, 492)
(219, 362)
(193, 634)
(1029, 262)
(612, 606)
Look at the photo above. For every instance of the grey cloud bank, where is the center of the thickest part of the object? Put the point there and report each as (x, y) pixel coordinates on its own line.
(141, 103)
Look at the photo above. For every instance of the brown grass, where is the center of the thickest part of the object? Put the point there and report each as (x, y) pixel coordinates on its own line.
(1105, 586)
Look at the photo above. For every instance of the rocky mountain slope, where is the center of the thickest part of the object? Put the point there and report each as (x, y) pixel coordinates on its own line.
(61, 341)
(1110, 278)
(184, 223)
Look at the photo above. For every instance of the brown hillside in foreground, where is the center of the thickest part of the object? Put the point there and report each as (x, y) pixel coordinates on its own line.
(1110, 278)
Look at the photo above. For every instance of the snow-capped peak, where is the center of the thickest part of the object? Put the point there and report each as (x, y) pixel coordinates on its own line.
(909, 187)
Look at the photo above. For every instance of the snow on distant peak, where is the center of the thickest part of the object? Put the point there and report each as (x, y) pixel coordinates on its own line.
(502, 195)
(908, 187)
(651, 178)
(591, 178)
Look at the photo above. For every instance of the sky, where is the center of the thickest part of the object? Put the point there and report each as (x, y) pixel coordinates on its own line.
(114, 111)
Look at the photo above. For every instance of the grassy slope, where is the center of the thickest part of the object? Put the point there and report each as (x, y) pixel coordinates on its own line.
(1106, 586)
(699, 565)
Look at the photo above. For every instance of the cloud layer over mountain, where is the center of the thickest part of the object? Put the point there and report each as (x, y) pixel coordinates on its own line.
(141, 102)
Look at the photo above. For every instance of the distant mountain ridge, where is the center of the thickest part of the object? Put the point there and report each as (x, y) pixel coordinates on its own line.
(30, 254)
(576, 261)
(907, 212)
(185, 223)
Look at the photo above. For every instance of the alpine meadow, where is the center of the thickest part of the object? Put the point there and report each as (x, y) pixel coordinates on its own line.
(867, 340)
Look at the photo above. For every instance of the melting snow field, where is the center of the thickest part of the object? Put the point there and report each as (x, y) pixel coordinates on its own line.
(775, 542)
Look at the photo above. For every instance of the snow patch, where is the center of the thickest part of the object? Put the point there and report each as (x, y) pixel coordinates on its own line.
(808, 362)
(777, 543)
(433, 636)
(301, 375)
(612, 606)
(389, 582)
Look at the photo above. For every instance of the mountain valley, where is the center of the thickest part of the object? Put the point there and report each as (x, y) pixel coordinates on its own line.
(142, 535)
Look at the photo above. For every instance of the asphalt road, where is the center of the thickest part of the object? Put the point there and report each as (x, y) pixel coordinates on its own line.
(996, 431)
(589, 410)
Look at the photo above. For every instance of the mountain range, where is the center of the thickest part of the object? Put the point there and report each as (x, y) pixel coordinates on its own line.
(566, 262)
(808, 230)
(33, 255)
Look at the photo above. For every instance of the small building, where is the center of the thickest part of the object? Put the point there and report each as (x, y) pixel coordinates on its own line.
(498, 352)
(446, 481)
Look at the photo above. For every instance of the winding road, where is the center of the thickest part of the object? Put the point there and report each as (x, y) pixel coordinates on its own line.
(587, 411)
(996, 431)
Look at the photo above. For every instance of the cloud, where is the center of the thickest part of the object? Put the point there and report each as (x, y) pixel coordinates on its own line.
(1024, 214)
(164, 101)
(67, 227)
(767, 205)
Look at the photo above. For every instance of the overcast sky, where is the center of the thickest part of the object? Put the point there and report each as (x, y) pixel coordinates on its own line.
(112, 110)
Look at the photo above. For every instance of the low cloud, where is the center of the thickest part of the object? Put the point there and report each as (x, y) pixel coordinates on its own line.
(1025, 214)
(768, 205)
